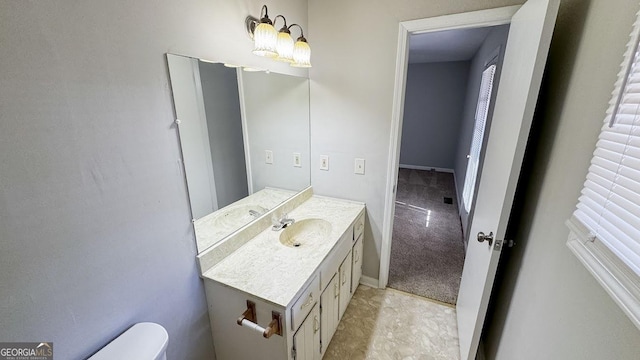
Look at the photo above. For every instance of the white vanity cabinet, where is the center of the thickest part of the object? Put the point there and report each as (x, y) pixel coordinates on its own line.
(345, 284)
(305, 320)
(330, 312)
(306, 341)
(356, 267)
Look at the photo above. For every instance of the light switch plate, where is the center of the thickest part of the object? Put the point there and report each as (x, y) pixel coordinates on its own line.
(268, 158)
(324, 162)
(296, 160)
(359, 166)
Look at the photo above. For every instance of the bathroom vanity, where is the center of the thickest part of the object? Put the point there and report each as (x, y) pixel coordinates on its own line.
(272, 293)
(281, 294)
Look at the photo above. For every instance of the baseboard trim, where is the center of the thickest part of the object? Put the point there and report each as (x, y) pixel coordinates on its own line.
(369, 281)
(420, 167)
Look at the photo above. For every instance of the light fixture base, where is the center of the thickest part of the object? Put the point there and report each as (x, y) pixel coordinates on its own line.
(250, 23)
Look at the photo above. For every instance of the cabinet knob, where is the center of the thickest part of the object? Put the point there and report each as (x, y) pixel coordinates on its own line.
(336, 290)
(316, 324)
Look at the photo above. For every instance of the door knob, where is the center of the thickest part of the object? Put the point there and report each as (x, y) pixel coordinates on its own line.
(482, 237)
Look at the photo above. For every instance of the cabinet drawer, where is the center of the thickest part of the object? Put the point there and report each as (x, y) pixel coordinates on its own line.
(305, 303)
(358, 227)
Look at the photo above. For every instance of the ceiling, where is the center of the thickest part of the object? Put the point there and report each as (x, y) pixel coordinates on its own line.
(449, 45)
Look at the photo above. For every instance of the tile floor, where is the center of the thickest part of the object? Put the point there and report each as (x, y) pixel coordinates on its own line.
(390, 324)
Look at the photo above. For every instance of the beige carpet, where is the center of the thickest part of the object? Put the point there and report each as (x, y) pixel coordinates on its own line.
(427, 251)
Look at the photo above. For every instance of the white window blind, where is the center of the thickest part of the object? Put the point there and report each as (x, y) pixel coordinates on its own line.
(609, 205)
(482, 111)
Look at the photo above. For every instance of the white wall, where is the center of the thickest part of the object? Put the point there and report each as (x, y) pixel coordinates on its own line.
(549, 306)
(495, 40)
(277, 119)
(434, 101)
(351, 96)
(94, 219)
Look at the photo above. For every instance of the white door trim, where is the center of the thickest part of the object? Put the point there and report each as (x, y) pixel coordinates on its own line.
(474, 19)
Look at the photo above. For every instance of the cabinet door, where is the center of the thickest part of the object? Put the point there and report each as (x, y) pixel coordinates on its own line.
(345, 283)
(306, 341)
(329, 314)
(356, 269)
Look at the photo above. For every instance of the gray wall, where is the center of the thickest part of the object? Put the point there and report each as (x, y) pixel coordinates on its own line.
(434, 101)
(496, 39)
(277, 119)
(549, 306)
(95, 230)
(94, 223)
(188, 103)
(224, 124)
(351, 106)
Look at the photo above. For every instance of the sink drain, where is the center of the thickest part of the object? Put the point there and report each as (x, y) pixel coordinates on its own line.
(296, 244)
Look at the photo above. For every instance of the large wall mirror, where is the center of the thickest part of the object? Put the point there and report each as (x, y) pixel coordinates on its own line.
(245, 142)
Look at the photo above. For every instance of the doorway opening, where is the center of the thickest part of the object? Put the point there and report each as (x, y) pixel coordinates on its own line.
(452, 77)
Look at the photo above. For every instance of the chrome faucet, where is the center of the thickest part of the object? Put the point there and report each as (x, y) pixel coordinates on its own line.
(282, 223)
(254, 213)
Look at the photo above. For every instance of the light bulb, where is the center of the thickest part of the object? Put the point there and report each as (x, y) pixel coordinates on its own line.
(265, 37)
(284, 46)
(301, 53)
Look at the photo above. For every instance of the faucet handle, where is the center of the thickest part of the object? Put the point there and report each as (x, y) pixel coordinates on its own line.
(284, 216)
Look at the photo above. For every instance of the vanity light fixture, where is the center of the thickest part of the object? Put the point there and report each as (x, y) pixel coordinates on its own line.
(278, 45)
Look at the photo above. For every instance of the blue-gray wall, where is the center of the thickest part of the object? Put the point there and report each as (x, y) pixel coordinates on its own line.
(495, 40)
(224, 124)
(95, 226)
(434, 101)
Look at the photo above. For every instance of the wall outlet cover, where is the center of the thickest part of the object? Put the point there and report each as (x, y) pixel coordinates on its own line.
(296, 160)
(359, 166)
(268, 158)
(324, 162)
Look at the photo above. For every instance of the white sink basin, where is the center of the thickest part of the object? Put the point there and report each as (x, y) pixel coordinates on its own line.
(236, 216)
(305, 232)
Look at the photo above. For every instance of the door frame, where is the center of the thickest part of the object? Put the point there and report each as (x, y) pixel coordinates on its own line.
(473, 19)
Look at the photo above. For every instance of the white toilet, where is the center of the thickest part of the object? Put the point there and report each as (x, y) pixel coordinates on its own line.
(143, 341)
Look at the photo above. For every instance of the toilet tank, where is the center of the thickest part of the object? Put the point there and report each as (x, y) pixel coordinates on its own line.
(143, 341)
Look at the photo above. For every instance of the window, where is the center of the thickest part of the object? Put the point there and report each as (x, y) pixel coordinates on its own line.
(605, 227)
(482, 110)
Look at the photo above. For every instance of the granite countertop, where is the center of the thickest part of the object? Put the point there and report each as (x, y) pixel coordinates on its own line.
(267, 269)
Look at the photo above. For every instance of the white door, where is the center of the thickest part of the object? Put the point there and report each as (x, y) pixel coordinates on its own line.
(329, 316)
(345, 284)
(525, 57)
(356, 264)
